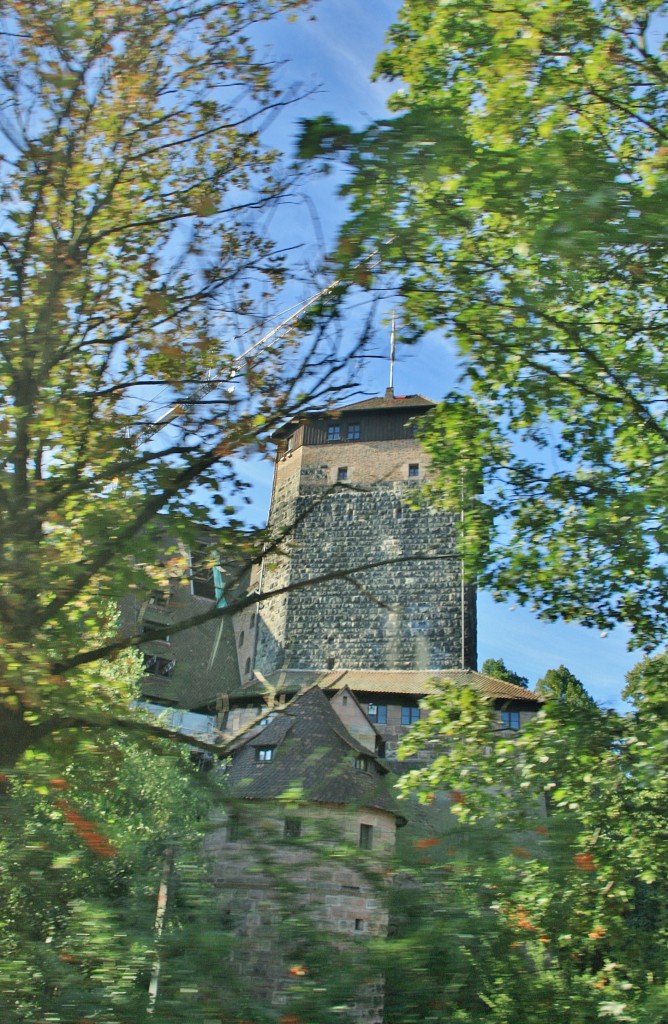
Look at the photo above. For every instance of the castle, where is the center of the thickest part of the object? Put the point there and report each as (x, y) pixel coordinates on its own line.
(344, 490)
(320, 682)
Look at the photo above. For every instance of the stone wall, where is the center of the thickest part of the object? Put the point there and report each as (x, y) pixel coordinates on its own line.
(403, 615)
(273, 890)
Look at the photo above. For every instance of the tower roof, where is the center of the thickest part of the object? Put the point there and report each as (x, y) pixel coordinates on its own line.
(388, 401)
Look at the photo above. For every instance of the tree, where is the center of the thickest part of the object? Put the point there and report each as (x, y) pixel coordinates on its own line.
(561, 684)
(134, 251)
(135, 254)
(575, 874)
(518, 202)
(496, 667)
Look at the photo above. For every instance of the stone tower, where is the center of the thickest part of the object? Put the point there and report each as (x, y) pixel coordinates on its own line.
(343, 484)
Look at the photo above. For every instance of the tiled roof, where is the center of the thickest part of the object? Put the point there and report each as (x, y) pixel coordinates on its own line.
(424, 682)
(413, 683)
(388, 401)
(314, 751)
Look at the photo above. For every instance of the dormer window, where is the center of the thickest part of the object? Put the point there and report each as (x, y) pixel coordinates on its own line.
(264, 754)
(334, 432)
(362, 763)
(158, 666)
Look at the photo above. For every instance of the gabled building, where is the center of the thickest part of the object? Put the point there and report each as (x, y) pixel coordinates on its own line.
(302, 789)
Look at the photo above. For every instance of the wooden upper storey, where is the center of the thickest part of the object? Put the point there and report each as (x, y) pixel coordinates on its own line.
(376, 419)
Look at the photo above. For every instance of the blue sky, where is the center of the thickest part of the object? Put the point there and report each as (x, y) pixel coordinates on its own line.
(331, 49)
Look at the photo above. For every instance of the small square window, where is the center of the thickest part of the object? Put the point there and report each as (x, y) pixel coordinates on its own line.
(342, 473)
(510, 720)
(353, 432)
(264, 754)
(334, 432)
(158, 666)
(292, 828)
(366, 837)
(414, 469)
(409, 715)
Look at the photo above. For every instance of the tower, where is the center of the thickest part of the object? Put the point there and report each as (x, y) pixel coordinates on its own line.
(344, 484)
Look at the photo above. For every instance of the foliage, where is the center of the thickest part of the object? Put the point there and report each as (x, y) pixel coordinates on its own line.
(518, 201)
(579, 800)
(561, 684)
(82, 854)
(496, 667)
(133, 253)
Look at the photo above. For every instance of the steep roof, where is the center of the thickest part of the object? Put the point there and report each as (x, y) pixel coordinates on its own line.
(312, 750)
(381, 681)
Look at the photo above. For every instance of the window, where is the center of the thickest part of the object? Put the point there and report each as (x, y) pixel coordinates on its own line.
(247, 667)
(353, 432)
(202, 574)
(292, 828)
(366, 837)
(331, 662)
(290, 443)
(359, 924)
(413, 469)
(342, 473)
(264, 754)
(157, 666)
(252, 621)
(378, 713)
(233, 828)
(334, 432)
(267, 718)
(149, 627)
(510, 719)
(409, 715)
(361, 763)
(242, 637)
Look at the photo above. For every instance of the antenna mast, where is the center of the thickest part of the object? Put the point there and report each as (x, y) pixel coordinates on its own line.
(392, 350)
